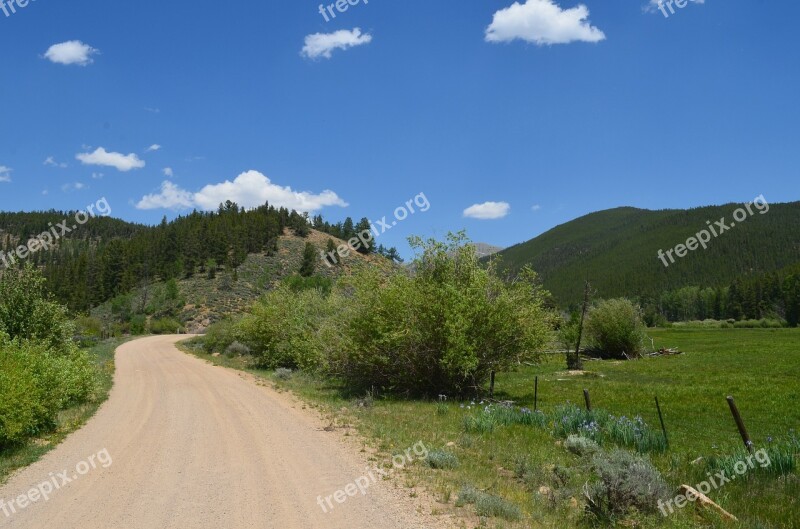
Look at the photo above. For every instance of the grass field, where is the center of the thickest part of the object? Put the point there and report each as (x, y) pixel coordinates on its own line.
(68, 420)
(530, 480)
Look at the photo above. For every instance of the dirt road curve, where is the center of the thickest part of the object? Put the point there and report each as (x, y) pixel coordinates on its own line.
(197, 446)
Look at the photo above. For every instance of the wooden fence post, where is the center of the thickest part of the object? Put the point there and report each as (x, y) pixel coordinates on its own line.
(661, 418)
(587, 399)
(536, 394)
(740, 424)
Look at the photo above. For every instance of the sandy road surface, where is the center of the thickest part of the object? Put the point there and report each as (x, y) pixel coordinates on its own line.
(198, 446)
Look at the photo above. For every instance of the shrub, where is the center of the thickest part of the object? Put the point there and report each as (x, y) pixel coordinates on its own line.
(581, 445)
(614, 328)
(487, 504)
(284, 329)
(283, 374)
(442, 330)
(237, 349)
(442, 459)
(35, 384)
(625, 481)
(219, 336)
(298, 283)
(138, 324)
(27, 311)
(164, 326)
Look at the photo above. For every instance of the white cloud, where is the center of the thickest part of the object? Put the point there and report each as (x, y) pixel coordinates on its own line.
(51, 162)
(75, 186)
(71, 52)
(170, 197)
(488, 210)
(543, 22)
(250, 189)
(323, 44)
(154, 147)
(5, 173)
(153, 110)
(168, 172)
(97, 176)
(536, 207)
(111, 159)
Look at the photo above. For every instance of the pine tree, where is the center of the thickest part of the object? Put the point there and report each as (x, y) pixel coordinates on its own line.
(309, 265)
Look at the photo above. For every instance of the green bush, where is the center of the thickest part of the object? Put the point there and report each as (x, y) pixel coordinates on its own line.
(488, 505)
(614, 329)
(442, 460)
(27, 311)
(35, 384)
(625, 481)
(284, 329)
(164, 326)
(283, 373)
(237, 349)
(219, 336)
(138, 324)
(581, 445)
(442, 329)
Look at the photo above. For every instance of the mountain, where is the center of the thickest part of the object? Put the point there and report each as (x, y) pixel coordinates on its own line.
(618, 249)
(485, 250)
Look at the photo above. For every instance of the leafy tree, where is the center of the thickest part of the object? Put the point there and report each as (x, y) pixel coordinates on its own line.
(615, 329)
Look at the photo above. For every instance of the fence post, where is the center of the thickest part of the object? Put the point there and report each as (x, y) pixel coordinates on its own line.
(491, 387)
(661, 418)
(740, 424)
(587, 399)
(536, 394)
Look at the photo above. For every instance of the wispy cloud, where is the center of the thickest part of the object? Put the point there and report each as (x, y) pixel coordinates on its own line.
(51, 162)
(72, 186)
(5, 173)
(168, 172)
(119, 161)
(323, 44)
(543, 22)
(250, 189)
(154, 147)
(488, 210)
(71, 52)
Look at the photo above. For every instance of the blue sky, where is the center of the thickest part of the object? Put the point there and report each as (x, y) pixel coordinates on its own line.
(546, 109)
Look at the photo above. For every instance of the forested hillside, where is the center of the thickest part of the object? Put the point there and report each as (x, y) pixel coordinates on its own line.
(617, 250)
(106, 257)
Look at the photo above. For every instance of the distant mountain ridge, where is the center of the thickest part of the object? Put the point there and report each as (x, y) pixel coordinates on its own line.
(617, 250)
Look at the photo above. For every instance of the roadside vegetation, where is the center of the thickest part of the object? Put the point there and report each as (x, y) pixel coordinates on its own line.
(506, 465)
(408, 357)
(48, 384)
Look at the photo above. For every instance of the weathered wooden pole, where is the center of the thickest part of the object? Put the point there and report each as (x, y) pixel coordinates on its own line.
(575, 361)
(587, 399)
(740, 424)
(536, 394)
(661, 418)
(491, 387)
